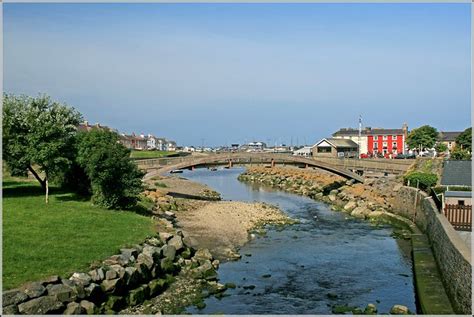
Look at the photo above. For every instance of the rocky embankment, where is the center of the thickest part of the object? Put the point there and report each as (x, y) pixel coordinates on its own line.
(126, 279)
(372, 199)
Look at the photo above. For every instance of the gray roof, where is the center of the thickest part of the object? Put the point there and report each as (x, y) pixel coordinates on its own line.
(340, 142)
(448, 136)
(457, 173)
(453, 193)
(368, 131)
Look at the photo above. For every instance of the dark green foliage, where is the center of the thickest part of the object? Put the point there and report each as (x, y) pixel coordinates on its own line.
(459, 154)
(423, 180)
(424, 136)
(441, 147)
(115, 179)
(464, 140)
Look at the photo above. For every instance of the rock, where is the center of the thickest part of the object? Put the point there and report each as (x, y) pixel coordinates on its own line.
(111, 286)
(111, 274)
(332, 197)
(176, 242)
(94, 293)
(53, 279)
(97, 275)
(143, 271)
(119, 269)
(190, 242)
(116, 303)
(186, 254)
(119, 259)
(370, 310)
(202, 255)
(81, 278)
(169, 214)
(132, 276)
(13, 297)
(33, 289)
(138, 295)
(399, 310)
(397, 187)
(350, 206)
(154, 242)
(167, 265)
(41, 305)
(333, 192)
(74, 309)
(128, 253)
(205, 271)
(165, 236)
(375, 214)
(168, 252)
(360, 212)
(89, 307)
(154, 252)
(10, 310)
(77, 288)
(62, 293)
(146, 259)
(157, 286)
(215, 264)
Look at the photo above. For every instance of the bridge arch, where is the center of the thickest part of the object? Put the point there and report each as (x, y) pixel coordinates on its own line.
(249, 158)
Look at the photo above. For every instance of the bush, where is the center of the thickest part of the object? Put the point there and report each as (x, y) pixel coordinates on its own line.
(115, 180)
(459, 154)
(425, 180)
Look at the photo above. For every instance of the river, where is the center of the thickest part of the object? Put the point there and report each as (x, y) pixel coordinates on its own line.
(328, 259)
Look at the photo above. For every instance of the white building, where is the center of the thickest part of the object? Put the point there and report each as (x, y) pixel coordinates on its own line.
(304, 151)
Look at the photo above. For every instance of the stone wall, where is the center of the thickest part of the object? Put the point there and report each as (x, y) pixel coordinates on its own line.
(125, 279)
(452, 255)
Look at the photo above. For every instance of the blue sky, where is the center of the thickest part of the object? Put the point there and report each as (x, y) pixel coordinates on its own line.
(225, 73)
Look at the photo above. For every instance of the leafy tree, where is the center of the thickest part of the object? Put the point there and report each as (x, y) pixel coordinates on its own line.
(424, 136)
(441, 147)
(424, 180)
(115, 179)
(464, 140)
(37, 136)
(458, 154)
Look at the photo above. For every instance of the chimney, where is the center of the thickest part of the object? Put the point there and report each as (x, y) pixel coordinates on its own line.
(405, 130)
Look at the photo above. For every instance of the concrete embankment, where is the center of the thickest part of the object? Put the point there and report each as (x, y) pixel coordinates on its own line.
(387, 199)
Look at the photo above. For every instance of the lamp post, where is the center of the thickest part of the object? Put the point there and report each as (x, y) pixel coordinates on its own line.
(360, 133)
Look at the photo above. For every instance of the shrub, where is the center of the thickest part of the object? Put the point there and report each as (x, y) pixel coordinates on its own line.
(115, 179)
(425, 180)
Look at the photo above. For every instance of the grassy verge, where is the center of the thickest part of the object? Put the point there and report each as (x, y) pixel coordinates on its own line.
(149, 154)
(61, 237)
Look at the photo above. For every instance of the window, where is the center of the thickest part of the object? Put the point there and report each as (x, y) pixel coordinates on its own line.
(376, 145)
(394, 137)
(385, 137)
(461, 202)
(376, 138)
(324, 150)
(394, 145)
(385, 144)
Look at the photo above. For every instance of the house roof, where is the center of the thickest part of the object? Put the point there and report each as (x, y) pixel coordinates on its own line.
(339, 142)
(457, 173)
(367, 131)
(448, 136)
(456, 193)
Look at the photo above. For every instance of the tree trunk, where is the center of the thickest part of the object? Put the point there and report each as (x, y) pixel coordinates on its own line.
(47, 188)
(42, 182)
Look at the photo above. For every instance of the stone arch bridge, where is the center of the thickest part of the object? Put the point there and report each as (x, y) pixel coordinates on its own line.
(348, 168)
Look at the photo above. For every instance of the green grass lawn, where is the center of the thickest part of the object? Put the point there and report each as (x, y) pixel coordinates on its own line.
(61, 237)
(149, 154)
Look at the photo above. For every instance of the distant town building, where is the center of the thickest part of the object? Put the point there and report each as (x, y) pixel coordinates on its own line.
(86, 127)
(375, 141)
(334, 147)
(253, 146)
(304, 151)
(448, 138)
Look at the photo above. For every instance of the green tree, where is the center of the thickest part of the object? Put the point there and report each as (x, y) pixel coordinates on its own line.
(424, 136)
(37, 136)
(441, 147)
(115, 180)
(458, 154)
(464, 140)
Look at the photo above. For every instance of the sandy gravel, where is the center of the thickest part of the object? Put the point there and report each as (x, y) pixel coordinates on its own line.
(224, 226)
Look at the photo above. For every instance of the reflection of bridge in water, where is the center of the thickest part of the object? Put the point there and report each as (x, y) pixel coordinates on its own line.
(348, 168)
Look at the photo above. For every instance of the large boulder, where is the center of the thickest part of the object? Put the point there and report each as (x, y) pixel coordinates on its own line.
(157, 286)
(81, 278)
(41, 305)
(202, 255)
(129, 252)
(13, 297)
(176, 242)
(146, 259)
(10, 310)
(74, 309)
(111, 274)
(132, 276)
(332, 197)
(360, 212)
(89, 307)
(94, 293)
(190, 242)
(97, 275)
(33, 289)
(165, 236)
(62, 293)
(112, 286)
(138, 295)
(169, 252)
(350, 206)
(154, 252)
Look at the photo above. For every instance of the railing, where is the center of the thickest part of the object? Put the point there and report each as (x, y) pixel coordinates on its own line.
(459, 216)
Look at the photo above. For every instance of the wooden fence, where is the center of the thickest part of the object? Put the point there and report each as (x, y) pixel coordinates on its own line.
(459, 216)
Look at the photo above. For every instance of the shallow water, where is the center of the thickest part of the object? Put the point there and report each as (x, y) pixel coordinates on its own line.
(328, 259)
